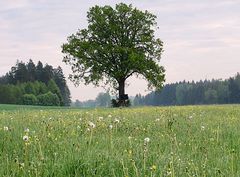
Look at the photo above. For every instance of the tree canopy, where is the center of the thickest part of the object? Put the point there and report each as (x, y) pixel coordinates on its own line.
(118, 43)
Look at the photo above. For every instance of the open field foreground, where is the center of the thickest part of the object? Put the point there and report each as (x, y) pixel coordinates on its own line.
(149, 141)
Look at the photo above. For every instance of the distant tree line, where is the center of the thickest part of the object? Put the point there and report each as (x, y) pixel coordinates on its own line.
(32, 84)
(102, 100)
(194, 93)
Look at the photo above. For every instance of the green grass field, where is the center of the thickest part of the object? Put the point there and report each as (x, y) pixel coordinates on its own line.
(148, 141)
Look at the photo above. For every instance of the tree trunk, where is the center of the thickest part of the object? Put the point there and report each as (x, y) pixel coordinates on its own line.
(121, 92)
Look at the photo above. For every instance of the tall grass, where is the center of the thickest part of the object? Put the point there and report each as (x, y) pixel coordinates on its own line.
(148, 141)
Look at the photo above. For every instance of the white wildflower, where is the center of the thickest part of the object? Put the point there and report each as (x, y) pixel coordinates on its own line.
(110, 126)
(21, 165)
(26, 130)
(157, 120)
(25, 138)
(109, 116)
(202, 127)
(5, 128)
(100, 118)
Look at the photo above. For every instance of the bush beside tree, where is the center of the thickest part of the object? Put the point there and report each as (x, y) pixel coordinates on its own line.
(48, 99)
(29, 99)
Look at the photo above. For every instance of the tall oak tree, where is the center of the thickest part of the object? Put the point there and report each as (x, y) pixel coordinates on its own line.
(117, 43)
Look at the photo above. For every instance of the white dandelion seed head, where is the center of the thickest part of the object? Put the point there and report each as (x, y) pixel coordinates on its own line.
(169, 173)
(5, 128)
(147, 140)
(25, 138)
(91, 124)
(116, 121)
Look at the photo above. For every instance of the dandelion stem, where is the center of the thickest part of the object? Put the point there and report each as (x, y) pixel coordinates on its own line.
(135, 167)
(90, 140)
(232, 166)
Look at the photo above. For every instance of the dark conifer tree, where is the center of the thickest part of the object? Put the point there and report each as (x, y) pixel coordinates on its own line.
(31, 71)
(60, 80)
(21, 73)
(234, 91)
(47, 74)
(39, 72)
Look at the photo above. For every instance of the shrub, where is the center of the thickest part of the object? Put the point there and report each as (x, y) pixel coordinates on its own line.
(116, 103)
(48, 99)
(29, 99)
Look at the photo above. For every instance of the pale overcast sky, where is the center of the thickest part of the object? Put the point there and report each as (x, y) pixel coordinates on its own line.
(201, 37)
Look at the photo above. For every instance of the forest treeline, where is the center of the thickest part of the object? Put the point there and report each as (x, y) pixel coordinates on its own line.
(180, 93)
(32, 84)
(102, 100)
(194, 93)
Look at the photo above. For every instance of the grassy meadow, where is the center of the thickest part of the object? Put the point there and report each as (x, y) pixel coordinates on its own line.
(132, 142)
